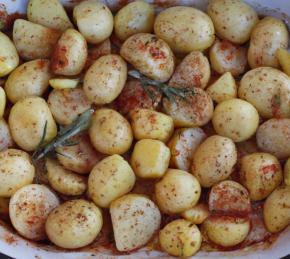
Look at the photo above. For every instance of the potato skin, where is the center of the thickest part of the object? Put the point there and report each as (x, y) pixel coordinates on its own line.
(29, 208)
(105, 79)
(16, 170)
(110, 179)
(267, 37)
(197, 214)
(233, 20)
(29, 79)
(185, 29)
(6, 140)
(260, 173)
(180, 238)
(74, 224)
(213, 161)
(27, 120)
(150, 55)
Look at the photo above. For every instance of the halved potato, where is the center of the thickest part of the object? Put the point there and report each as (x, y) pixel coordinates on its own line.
(284, 59)
(63, 83)
(2, 101)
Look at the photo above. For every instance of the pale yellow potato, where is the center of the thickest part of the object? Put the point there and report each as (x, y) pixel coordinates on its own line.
(180, 238)
(268, 36)
(70, 54)
(94, 20)
(9, 58)
(277, 209)
(67, 104)
(27, 120)
(149, 124)
(63, 180)
(261, 174)
(49, 13)
(105, 79)
(193, 71)
(268, 89)
(213, 160)
(29, 79)
(150, 55)
(185, 29)
(182, 145)
(74, 224)
(110, 132)
(284, 60)
(273, 136)
(32, 40)
(6, 140)
(226, 231)
(195, 111)
(2, 102)
(29, 208)
(235, 119)
(228, 57)
(177, 191)
(233, 20)
(135, 220)
(223, 89)
(150, 158)
(110, 179)
(133, 18)
(80, 158)
(63, 83)
(197, 214)
(287, 172)
(16, 171)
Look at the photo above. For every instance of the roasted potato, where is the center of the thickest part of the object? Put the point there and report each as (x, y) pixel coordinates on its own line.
(197, 214)
(63, 83)
(284, 60)
(6, 140)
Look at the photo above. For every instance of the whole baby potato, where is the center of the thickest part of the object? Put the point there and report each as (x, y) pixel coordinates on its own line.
(27, 120)
(150, 55)
(213, 160)
(29, 208)
(233, 20)
(29, 79)
(94, 20)
(16, 171)
(235, 119)
(74, 224)
(185, 29)
(6, 140)
(268, 36)
(105, 79)
(197, 214)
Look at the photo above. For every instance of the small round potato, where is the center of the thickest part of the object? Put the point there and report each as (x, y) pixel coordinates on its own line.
(185, 29)
(6, 140)
(67, 104)
(268, 89)
(27, 121)
(110, 179)
(94, 20)
(149, 124)
(197, 214)
(235, 119)
(16, 171)
(287, 172)
(29, 79)
(273, 136)
(226, 231)
(63, 180)
(227, 57)
(233, 20)
(277, 209)
(70, 54)
(268, 36)
(105, 79)
(213, 160)
(29, 208)
(150, 55)
(150, 158)
(9, 58)
(110, 132)
(74, 224)
(177, 191)
(260, 173)
(193, 71)
(195, 111)
(180, 238)
(133, 18)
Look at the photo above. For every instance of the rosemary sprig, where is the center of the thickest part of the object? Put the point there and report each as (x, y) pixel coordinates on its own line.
(168, 91)
(65, 133)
